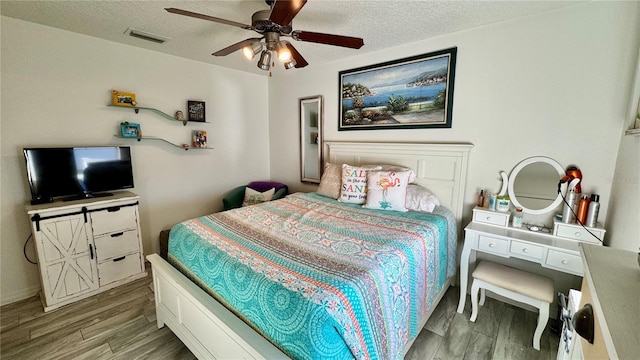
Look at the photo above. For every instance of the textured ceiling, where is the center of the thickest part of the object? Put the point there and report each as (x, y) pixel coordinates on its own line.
(381, 24)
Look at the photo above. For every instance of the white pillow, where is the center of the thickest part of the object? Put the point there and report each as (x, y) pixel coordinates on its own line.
(252, 197)
(420, 199)
(387, 190)
(330, 181)
(354, 184)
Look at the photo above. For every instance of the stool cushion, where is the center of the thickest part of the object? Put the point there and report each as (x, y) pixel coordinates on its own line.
(522, 282)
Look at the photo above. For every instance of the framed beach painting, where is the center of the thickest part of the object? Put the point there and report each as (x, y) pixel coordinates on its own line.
(409, 93)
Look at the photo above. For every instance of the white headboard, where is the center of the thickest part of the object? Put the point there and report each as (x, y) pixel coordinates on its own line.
(440, 167)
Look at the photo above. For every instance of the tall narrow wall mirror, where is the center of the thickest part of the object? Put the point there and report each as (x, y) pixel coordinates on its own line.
(311, 116)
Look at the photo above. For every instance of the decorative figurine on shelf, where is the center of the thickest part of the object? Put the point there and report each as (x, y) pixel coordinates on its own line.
(199, 139)
(185, 146)
(180, 117)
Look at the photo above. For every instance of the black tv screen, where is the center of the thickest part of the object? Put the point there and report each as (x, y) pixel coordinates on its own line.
(77, 172)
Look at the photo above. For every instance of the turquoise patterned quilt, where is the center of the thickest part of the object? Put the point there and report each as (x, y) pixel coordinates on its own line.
(318, 278)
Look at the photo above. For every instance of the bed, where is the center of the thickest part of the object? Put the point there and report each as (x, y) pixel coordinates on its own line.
(310, 277)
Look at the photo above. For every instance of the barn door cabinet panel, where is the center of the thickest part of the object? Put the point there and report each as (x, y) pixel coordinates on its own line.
(65, 255)
(87, 246)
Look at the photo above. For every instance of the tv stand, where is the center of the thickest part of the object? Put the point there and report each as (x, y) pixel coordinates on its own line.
(86, 247)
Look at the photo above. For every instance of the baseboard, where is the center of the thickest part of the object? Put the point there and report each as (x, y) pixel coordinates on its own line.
(19, 295)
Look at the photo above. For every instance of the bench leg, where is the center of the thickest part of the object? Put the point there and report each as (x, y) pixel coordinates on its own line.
(475, 287)
(543, 318)
(482, 296)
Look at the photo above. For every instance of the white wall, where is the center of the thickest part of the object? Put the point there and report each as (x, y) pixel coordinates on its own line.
(555, 84)
(55, 88)
(624, 206)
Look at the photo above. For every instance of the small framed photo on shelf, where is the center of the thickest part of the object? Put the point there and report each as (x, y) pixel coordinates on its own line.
(130, 130)
(199, 138)
(195, 111)
(123, 98)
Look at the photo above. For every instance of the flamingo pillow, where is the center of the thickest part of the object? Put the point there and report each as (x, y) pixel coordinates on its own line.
(387, 190)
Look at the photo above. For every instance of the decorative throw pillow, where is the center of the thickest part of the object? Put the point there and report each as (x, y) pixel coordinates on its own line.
(252, 197)
(387, 190)
(330, 181)
(354, 184)
(396, 168)
(420, 199)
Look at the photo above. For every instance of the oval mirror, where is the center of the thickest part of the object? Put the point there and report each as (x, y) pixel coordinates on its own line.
(533, 185)
(311, 138)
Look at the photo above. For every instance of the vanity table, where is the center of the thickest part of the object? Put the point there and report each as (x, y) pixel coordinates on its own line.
(490, 231)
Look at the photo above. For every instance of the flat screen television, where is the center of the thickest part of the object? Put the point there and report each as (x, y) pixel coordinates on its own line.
(74, 173)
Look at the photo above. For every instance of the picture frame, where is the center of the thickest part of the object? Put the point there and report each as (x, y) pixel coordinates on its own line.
(199, 138)
(196, 111)
(121, 98)
(409, 93)
(130, 130)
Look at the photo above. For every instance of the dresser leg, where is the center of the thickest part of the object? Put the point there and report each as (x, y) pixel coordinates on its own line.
(464, 275)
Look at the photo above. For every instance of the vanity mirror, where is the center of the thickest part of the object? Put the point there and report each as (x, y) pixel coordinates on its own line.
(311, 116)
(533, 185)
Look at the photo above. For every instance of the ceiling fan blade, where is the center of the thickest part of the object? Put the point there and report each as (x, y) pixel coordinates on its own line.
(283, 11)
(237, 46)
(329, 39)
(300, 61)
(209, 18)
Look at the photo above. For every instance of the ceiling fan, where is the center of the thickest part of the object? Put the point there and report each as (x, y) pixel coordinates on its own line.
(272, 25)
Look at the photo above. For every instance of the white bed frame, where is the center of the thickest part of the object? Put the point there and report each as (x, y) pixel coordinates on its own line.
(211, 331)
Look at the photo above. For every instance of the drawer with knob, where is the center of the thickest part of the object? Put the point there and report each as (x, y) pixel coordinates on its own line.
(527, 250)
(493, 245)
(486, 216)
(571, 263)
(579, 233)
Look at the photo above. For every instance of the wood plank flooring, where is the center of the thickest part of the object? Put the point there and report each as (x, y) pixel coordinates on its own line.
(120, 324)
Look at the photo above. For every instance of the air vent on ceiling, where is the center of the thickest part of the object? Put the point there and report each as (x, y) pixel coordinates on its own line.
(146, 36)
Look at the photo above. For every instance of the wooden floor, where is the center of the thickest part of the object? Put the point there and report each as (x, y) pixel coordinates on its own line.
(120, 324)
(501, 331)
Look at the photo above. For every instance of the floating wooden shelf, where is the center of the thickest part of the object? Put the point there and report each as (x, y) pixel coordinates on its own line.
(159, 112)
(188, 147)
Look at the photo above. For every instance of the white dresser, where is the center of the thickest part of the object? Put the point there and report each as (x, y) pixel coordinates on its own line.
(87, 246)
(490, 232)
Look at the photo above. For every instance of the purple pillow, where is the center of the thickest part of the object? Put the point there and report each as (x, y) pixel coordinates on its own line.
(263, 186)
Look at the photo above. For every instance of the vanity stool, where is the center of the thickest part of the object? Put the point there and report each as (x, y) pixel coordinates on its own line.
(515, 284)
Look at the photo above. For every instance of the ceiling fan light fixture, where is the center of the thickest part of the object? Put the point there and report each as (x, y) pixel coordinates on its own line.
(290, 64)
(265, 60)
(251, 51)
(284, 55)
